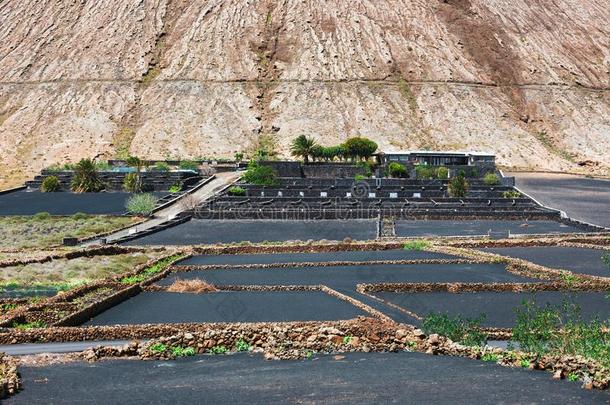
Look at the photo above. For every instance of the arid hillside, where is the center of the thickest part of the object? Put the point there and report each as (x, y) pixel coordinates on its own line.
(528, 80)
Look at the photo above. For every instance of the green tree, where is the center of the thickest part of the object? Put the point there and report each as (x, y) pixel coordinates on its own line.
(359, 148)
(302, 146)
(86, 179)
(317, 152)
(395, 169)
(50, 184)
(260, 175)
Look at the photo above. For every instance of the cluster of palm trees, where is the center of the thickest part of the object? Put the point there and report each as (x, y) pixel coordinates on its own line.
(354, 149)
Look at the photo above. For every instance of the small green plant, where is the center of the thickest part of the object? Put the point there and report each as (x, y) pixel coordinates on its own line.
(525, 363)
(179, 351)
(103, 166)
(242, 346)
(29, 325)
(572, 377)
(176, 188)
(491, 357)
(189, 165)
(86, 179)
(141, 204)
(397, 170)
(491, 179)
(425, 172)
(309, 354)
(50, 184)
(7, 306)
(458, 186)
(347, 340)
(158, 348)
(238, 157)
(131, 183)
(260, 175)
(161, 167)
(464, 330)
(237, 191)
(218, 350)
(442, 173)
(152, 270)
(41, 216)
(367, 167)
(416, 245)
(511, 194)
(359, 177)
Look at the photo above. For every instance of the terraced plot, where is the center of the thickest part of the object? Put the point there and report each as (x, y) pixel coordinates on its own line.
(577, 260)
(241, 306)
(431, 228)
(497, 307)
(198, 231)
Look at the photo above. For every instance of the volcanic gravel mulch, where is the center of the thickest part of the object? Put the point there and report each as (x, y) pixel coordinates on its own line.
(64, 203)
(352, 275)
(355, 256)
(240, 306)
(432, 228)
(577, 260)
(199, 232)
(351, 378)
(498, 307)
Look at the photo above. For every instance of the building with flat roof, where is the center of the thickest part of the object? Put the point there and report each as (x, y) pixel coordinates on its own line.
(437, 158)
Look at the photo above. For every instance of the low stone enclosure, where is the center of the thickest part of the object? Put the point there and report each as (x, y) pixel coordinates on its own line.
(364, 321)
(151, 181)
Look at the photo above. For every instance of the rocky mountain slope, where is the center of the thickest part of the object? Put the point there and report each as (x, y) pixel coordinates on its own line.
(528, 80)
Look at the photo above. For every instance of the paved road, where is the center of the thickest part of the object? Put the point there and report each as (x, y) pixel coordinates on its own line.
(412, 378)
(580, 197)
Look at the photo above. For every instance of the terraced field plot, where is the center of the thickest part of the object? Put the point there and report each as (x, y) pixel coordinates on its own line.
(356, 256)
(201, 231)
(64, 203)
(240, 306)
(349, 276)
(477, 227)
(498, 307)
(576, 260)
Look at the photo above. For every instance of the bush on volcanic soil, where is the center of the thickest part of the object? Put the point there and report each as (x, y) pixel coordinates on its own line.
(161, 167)
(359, 148)
(50, 184)
(395, 169)
(458, 186)
(86, 179)
(560, 329)
(463, 330)
(260, 175)
(442, 173)
(189, 165)
(302, 146)
(141, 204)
(424, 172)
(237, 191)
(491, 179)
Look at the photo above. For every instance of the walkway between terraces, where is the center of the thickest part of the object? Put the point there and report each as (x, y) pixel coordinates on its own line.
(220, 181)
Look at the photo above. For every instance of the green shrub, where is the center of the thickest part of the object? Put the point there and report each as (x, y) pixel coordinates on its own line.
(474, 172)
(458, 187)
(79, 216)
(463, 330)
(491, 179)
(511, 194)
(29, 325)
(41, 216)
(395, 169)
(442, 173)
(416, 245)
(367, 167)
(85, 179)
(152, 270)
(218, 350)
(237, 191)
(260, 175)
(242, 346)
(424, 172)
(50, 184)
(189, 165)
(141, 204)
(158, 348)
(360, 177)
(183, 351)
(492, 357)
(130, 183)
(238, 157)
(161, 167)
(103, 166)
(176, 188)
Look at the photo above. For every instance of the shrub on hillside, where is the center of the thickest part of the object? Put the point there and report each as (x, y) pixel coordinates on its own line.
(442, 173)
(424, 172)
(141, 204)
(50, 184)
(491, 179)
(458, 187)
(86, 179)
(237, 191)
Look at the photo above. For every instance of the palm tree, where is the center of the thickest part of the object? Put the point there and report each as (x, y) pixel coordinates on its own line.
(137, 164)
(302, 146)
(85, 179)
